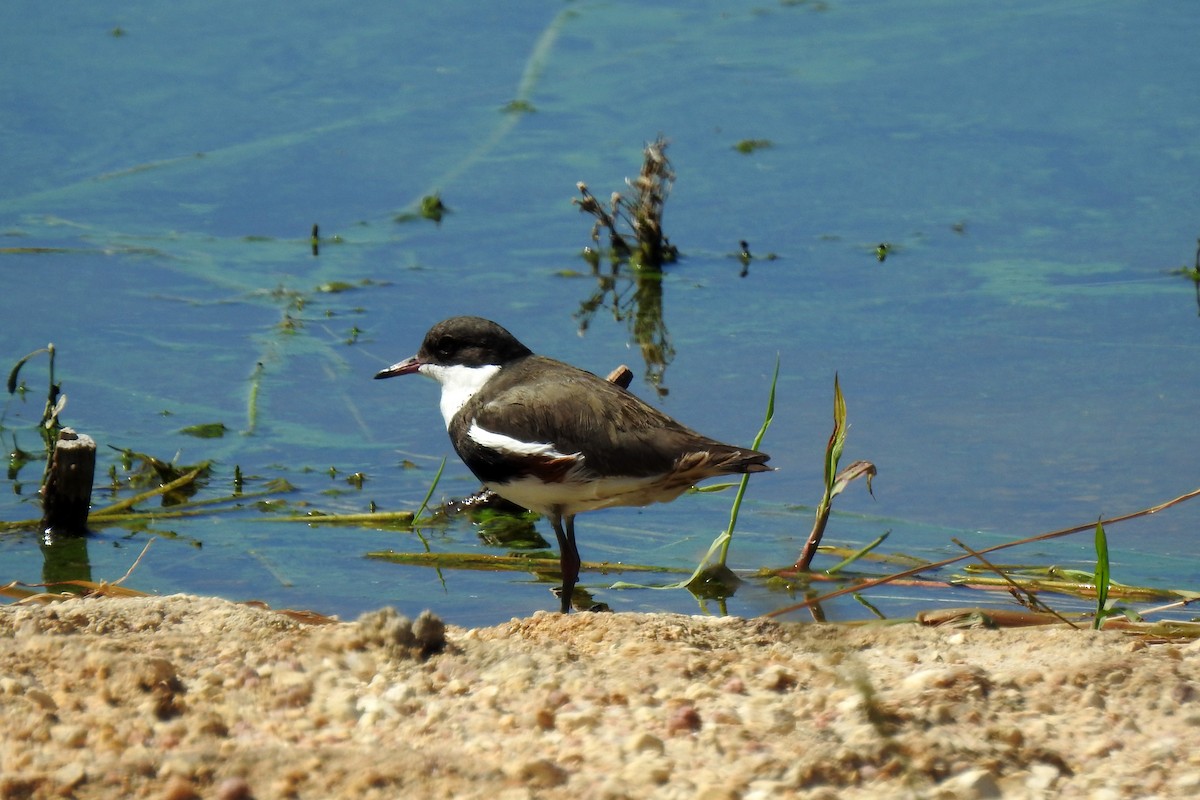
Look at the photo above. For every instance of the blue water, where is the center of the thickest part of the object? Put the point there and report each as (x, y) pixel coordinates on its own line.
(1024, 360)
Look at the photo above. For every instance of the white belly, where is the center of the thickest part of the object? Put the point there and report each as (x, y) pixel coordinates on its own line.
(569, 498)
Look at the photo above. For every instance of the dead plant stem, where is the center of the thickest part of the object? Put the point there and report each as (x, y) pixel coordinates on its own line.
(1090, 526)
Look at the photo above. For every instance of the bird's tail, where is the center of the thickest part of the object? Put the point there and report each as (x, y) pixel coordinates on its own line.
(748, 461)
(726, 460)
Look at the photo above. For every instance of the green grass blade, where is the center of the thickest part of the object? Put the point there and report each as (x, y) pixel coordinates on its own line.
(130, 502)
(1102, 576)
(721, 543)
(429, 494)
(16, 370)
(252, 401)
(833, 453)
(741, 491)
(841, 565)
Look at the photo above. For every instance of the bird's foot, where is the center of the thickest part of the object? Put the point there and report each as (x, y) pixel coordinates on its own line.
(580, 600)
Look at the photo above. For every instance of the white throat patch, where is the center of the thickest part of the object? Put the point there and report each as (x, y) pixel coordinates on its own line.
(459, 384)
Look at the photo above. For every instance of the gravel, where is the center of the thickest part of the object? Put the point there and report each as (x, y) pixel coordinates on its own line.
(189, 697)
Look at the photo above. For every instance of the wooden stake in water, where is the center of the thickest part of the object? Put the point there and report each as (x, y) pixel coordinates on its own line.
(67, 493)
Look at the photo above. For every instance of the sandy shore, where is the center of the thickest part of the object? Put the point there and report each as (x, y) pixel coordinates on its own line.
(186, 697)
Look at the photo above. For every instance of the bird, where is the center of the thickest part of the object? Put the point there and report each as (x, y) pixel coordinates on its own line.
(556, 439)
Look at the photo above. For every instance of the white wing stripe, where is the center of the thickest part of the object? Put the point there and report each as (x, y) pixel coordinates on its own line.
(507, 444)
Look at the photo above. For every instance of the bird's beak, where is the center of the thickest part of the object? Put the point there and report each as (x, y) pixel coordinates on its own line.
(405, 367)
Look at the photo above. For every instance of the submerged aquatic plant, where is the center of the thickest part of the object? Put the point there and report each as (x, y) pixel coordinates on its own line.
(748, 146)
(50, 425)
(634, 224)
(56, 401)
(1192, 273)
(634, 230)
(429, 207)
(433, 208)
(519, 106)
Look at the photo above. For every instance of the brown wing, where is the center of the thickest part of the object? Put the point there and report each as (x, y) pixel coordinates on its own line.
(616, 432)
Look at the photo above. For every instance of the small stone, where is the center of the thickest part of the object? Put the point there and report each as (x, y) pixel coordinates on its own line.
(1101, 747)
(234, 789)
(516, 793)
(734, 685)
(684, 719)
(927, 679)
(1164, 748)
(180, 765)
(647, 770)
(540, 773)
(179, 788)
(765, 790)
(70, 775)
(399, 693)
(544, 718)
(717, 793)
(765, 715)
(1092, 698)
(644, 742)
(777, 679)
(384, 627)
(138, 760)
(1041, 778)
(69, 735)
(975, 784)
(295, 689)
(1188, 783)
(155, 672)
(430, 632)
(41, 699)
(578, 720)
(341, 704)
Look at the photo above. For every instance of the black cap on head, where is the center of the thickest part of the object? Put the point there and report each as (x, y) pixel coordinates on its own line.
(470, 342)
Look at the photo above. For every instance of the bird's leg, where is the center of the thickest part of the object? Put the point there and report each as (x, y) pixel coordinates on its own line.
(568, 557)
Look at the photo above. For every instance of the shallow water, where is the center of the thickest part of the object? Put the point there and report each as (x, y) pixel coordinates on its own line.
(1024, 360)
